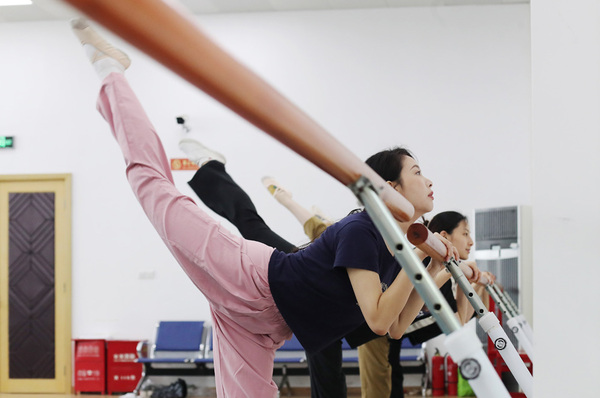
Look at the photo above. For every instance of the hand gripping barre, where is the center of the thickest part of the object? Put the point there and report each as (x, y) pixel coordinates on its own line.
(421, 237)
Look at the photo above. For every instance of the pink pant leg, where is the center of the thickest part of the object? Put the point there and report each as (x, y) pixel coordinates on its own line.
(242, 364)
(231, 272)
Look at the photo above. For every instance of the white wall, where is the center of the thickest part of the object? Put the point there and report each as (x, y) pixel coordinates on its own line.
(450, 83)
(566, 172)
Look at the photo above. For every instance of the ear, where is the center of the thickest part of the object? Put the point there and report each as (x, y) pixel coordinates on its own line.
(444, 234)
(394, 185)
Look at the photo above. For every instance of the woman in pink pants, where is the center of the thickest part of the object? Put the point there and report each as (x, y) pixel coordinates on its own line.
(259, 295)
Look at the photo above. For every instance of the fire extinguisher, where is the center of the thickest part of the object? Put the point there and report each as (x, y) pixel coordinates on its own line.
(437, 375)
(451, 376)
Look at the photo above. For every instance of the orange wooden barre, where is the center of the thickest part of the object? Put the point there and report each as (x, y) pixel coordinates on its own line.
(176, 42)
(424, 239)
(420, 236)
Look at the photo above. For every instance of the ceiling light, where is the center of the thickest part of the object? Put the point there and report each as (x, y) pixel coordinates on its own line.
(15, 3)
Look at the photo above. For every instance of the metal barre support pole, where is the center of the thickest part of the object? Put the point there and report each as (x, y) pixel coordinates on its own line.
(464, 284)
(510, 309)
(512, 322)
(516, 318)
(491, 326)
(520, 317)
(494, 294)
(508, 300)
(462, 343)
(526, 327)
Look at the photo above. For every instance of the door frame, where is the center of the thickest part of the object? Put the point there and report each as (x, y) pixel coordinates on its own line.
(60, 184)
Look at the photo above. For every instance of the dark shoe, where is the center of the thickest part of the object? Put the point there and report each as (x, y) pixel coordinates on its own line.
(176, 389)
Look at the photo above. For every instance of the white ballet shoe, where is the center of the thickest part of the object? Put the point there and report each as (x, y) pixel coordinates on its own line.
(88, 36)
(198, 153)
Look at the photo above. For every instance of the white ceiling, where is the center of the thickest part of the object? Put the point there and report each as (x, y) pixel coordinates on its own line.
(45, 10)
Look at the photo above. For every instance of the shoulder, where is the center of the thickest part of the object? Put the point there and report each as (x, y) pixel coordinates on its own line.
(357, 220)
(356, 227)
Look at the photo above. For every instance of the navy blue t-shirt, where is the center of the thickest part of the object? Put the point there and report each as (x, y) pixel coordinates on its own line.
(312, 289)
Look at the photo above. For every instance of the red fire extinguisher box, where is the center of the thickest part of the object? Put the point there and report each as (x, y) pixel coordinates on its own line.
(90, 365)
(123, 373)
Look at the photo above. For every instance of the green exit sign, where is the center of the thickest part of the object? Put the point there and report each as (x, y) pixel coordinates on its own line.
(6, 142)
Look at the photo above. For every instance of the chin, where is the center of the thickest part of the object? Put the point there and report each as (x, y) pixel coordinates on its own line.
(421, 211)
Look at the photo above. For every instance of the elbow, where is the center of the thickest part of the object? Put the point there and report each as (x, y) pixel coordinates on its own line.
(379, 331)
(379, 328)
(397, 330)
(396, 335)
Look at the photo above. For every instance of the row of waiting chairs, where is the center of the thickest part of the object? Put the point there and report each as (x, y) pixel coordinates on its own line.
(179, 349)
(184, 348)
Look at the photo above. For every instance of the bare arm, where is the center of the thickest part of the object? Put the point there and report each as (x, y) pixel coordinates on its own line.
(393, 310)
(380, 309)
(415, 302)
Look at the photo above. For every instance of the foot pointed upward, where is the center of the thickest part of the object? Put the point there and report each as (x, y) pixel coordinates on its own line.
(96, 46)
(198, 153)
(275, 188)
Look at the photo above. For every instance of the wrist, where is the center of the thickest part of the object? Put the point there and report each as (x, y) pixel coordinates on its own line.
(435, 267)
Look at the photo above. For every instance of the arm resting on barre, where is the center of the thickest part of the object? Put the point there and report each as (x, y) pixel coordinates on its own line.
(415, 302)
(394, 310)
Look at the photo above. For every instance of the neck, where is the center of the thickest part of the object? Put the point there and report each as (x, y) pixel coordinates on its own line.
(404, 225)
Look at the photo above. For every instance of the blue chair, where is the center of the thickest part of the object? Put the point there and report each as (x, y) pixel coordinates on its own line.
(179, 349)
(291, 352)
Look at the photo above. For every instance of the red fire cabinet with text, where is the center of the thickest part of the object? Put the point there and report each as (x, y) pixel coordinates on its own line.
(123, 373)
(90, 365)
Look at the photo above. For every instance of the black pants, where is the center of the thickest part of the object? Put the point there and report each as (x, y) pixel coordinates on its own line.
(327, 380)
(397, 374)
(215, 187)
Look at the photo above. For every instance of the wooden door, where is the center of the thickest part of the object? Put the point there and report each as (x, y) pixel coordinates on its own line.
(35, 284)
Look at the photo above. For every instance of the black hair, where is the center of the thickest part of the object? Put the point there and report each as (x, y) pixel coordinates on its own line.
(445, 221)
(388, 163)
